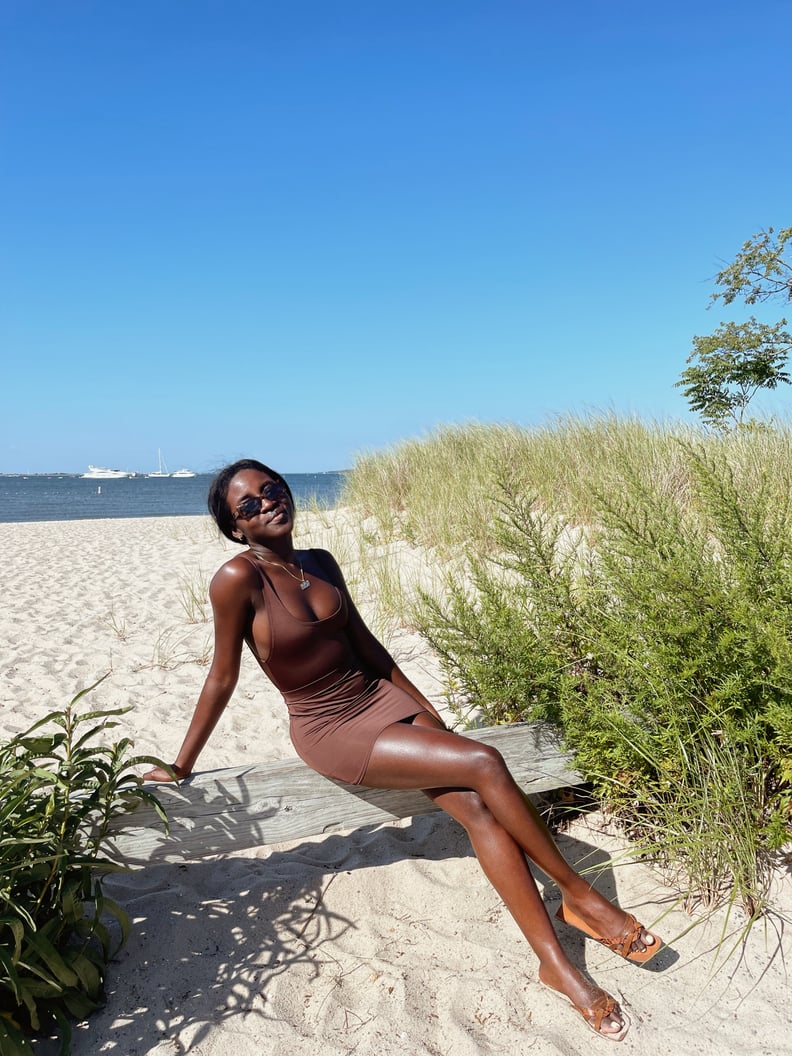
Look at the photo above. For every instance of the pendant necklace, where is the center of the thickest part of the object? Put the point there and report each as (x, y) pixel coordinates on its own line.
(304, 583)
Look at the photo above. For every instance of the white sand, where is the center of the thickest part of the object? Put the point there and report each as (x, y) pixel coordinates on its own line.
(385, 941)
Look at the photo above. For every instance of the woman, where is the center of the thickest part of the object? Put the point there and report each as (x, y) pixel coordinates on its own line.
(355, 716)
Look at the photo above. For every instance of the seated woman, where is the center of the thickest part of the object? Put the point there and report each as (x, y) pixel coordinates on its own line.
(356, 717)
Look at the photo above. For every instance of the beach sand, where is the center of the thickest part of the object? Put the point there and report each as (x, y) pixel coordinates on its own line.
(383, 941)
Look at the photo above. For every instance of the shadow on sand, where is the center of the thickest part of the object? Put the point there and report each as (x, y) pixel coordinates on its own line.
(208, 938)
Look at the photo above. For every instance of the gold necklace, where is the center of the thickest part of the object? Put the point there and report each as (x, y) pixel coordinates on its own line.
(304, 583)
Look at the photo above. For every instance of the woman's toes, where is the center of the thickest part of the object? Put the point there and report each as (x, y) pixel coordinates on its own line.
(615, 1024)
(647, 939)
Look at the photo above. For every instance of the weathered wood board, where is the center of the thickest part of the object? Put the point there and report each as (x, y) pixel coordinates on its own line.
(221, 811)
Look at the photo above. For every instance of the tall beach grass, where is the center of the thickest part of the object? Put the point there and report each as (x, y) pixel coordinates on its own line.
(438, 491)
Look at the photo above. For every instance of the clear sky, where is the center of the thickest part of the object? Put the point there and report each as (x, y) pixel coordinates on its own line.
(303, 229)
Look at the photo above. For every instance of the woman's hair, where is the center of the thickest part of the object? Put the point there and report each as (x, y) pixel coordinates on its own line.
(217, 499)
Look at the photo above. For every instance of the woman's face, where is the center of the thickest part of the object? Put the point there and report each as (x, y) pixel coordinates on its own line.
(260, 506)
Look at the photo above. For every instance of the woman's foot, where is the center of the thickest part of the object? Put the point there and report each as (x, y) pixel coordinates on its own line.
(600, 1011)
(610, 925)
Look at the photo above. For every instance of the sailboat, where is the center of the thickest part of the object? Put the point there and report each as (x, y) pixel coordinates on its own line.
(160, 472)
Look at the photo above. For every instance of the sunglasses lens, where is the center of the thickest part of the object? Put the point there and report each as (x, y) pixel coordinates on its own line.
(248, 507)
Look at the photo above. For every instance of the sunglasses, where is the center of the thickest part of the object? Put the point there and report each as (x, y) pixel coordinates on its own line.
(251, 506)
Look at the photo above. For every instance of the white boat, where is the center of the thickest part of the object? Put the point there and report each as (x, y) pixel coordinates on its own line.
(101, 473)
(160, 472)
(183, 473)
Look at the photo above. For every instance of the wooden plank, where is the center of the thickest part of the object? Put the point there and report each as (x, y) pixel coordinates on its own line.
(221, 811)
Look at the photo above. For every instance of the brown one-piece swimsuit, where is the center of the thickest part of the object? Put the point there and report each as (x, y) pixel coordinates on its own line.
(336, 708)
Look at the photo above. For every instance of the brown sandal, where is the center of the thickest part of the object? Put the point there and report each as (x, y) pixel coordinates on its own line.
(602, 1008)
(621, 945)
(597, 1013)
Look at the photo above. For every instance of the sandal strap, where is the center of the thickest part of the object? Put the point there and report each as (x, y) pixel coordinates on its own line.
(623, 944)
(598, 1012)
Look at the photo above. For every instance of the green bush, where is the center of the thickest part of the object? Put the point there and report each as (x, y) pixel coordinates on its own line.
(645, 607)
(59, 790)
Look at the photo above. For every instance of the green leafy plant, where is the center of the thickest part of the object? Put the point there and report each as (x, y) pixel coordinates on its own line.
(61, 785)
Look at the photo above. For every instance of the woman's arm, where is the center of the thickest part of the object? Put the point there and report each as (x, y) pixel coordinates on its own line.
(370, 650)
(230, 597)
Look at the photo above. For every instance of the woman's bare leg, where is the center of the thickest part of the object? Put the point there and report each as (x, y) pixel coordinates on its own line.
(505, 865)
(472, 783)
(423, 755)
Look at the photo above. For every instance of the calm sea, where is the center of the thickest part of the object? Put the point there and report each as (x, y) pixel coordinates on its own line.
(60, 497)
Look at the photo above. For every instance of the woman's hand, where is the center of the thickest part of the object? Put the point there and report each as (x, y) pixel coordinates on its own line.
(160, 774)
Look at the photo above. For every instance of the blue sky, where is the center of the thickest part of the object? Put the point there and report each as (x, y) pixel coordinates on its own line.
(303, 230)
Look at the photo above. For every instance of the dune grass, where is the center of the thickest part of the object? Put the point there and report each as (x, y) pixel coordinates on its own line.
(441, 491)
(631, 583)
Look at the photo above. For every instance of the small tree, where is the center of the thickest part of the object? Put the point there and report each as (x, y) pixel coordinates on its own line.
(760, 271)
(731, 365)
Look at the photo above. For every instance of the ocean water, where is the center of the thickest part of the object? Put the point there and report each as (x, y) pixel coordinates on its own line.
(62, 497)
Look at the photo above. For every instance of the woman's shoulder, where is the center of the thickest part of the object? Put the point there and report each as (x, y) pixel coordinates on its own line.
(327, 563)
(322, 557)
(319, 554)
(235, 574)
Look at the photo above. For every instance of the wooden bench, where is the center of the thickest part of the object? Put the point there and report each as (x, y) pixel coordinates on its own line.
(221, 811)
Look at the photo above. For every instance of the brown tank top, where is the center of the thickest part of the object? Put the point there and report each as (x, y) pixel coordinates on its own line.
(303, 650)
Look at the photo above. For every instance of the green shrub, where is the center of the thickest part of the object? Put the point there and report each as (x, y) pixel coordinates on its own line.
(644, 606)
(59, 790)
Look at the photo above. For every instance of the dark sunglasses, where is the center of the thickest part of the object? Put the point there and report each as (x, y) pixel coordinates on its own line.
(251, 506)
